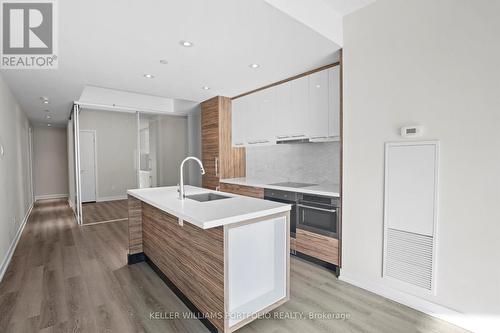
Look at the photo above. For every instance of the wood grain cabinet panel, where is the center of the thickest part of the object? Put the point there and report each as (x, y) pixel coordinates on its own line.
(192, 258)
(293, 245)
(219, 158)
(134, 225)
(248, 191)
(317, 246)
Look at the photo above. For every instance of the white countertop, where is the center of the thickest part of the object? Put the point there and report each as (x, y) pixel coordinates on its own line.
(326, 189)
(208, 214)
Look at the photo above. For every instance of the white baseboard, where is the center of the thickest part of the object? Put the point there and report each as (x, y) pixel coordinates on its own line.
(13, 244)
(51, 196)
(469, 322)
(112, 198)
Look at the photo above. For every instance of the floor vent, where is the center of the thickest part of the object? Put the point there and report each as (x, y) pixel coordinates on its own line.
(409, 257)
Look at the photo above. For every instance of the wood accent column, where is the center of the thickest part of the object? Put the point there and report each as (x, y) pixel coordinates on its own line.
(134, 225)
(219, 158)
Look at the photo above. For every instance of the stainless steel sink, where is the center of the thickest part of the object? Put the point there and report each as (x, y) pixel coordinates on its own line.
(203, 197)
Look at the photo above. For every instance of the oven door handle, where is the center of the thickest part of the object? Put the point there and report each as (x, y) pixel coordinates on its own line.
(317, 208)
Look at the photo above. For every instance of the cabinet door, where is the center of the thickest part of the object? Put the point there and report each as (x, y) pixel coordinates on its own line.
(260, 122)
(210, 142)
(318, 105)
(239, 114)
(283, 126)
(299, 108)
(334, 102)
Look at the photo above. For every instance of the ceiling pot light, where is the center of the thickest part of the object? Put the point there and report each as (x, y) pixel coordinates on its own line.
(186, 43)
(163, 61)
(49, 125)
(48, 116)
(149, 76)
(205, 88)
(45, 100)
(254, 65)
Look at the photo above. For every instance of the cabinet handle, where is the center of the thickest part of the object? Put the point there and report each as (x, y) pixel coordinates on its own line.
(263, 141)
(216, 166)
(315, 208)
(298, 136)
(283, 136)
(318, 137)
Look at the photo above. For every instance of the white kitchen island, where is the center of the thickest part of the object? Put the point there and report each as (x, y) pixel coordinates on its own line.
(226, 257)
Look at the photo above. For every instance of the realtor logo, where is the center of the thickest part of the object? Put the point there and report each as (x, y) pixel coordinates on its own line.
(28, 34)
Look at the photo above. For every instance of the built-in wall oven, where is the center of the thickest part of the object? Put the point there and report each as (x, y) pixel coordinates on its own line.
(318, 214)
(288, 198)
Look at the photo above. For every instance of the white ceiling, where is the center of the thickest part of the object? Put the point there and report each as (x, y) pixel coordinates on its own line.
(345, 7)
(324, 16)
(112, 44)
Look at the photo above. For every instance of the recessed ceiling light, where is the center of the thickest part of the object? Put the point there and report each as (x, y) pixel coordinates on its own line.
(254, 65)
(48, 116)
(186, 43)
(205, 88)
(49, 125)
(163, 61)
(149, 76)
(45, 100)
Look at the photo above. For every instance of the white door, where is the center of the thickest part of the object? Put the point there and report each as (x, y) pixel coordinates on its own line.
(87, 165)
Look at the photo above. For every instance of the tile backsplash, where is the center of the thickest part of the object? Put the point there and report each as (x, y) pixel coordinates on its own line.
(304, 162)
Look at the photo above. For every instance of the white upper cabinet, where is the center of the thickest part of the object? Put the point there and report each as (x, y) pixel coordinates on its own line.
(260, 119)
(308, 107)
(300, 107)
(283, 126)
(334, 102)
(239, 112)
(318, 105)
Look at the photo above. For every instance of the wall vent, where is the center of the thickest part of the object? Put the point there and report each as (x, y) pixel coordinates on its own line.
(409, 257)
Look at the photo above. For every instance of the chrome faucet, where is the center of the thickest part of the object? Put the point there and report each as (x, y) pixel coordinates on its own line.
(181, 184)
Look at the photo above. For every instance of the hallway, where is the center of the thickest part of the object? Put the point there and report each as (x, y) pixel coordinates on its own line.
(66, 278)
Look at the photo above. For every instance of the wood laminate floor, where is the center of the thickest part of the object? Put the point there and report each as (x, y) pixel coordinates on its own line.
(66, 278)
(104, 211)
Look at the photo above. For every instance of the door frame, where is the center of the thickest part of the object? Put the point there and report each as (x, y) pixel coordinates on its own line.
(94, 132)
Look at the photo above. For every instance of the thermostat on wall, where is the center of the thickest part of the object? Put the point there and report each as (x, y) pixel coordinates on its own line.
(410, 131)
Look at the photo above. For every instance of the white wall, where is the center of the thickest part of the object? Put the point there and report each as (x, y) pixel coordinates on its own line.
(50, 162)
(16, 196)
(173, 148)
(435, 64)
(116, 141)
